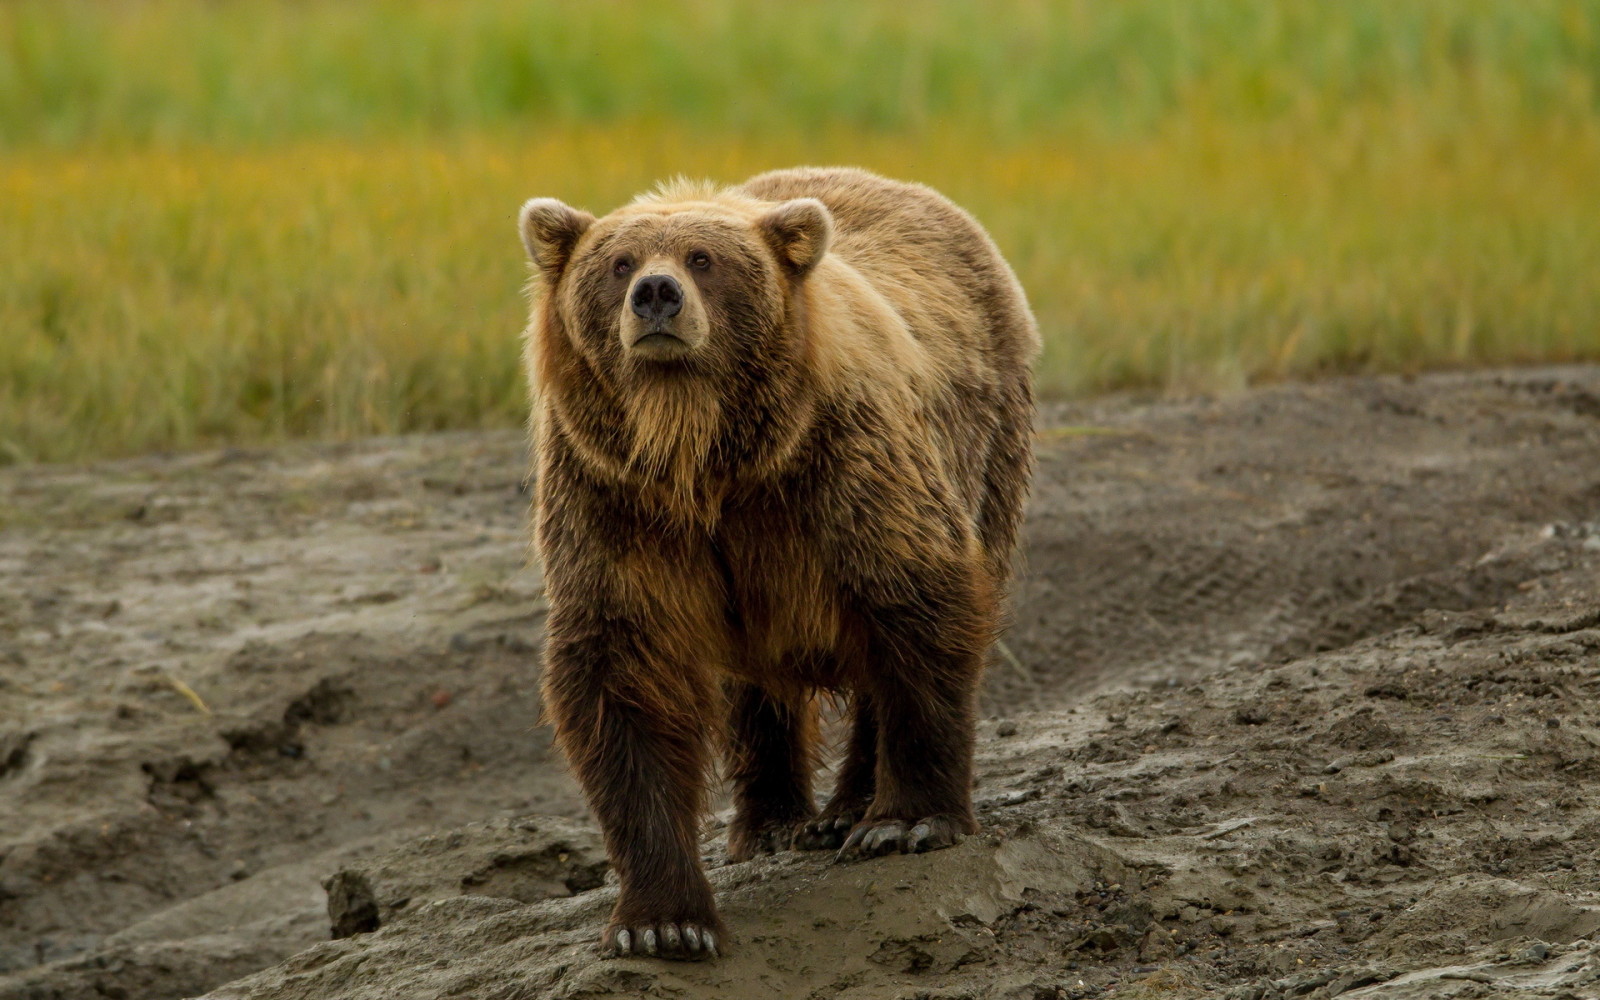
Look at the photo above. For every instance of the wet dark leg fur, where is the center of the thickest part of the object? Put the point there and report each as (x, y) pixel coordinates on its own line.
(928, 661)
(642, 763)
(852, 792)
(770, 765)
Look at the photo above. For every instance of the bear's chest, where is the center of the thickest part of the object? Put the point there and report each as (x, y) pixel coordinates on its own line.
(783, 596)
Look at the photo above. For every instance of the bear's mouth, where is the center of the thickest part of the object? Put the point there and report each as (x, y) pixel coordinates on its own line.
(659, 345)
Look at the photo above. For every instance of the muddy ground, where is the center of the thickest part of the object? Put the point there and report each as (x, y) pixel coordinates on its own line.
(1299, 702)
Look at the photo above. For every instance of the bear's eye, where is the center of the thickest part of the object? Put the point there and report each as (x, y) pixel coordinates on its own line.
(699, 260)
(621, 266)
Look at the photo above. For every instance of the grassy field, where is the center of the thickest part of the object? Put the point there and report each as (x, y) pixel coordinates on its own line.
(254, 220)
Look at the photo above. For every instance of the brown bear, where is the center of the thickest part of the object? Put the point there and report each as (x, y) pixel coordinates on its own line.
(783, 439)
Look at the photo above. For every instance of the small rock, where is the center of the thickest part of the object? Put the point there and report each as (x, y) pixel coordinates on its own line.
(1007, 728)
(352, 908)
(1306, 984)
(1010, 798)
(1391, 690)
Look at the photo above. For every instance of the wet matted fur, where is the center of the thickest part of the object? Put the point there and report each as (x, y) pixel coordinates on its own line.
(808, 477)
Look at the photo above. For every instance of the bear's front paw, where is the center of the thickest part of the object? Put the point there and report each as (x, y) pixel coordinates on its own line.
(875, 837)
(686, 939)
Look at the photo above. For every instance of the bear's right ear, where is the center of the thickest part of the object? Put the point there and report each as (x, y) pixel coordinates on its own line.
(550, 229)
(799, 232)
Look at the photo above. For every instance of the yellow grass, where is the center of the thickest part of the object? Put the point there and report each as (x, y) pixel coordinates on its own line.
(174, 284)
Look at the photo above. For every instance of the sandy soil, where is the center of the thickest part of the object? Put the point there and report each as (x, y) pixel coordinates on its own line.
(1299, 702)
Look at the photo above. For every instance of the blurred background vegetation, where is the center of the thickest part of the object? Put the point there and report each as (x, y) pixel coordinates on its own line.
(248, 220)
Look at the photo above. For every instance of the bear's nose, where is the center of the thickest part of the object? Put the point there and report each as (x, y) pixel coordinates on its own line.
(657, 296)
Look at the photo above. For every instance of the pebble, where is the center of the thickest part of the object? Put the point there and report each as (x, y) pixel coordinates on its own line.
(1007, 728)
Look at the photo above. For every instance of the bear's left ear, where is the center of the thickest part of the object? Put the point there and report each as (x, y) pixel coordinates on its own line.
(798, 232)
(550, 229)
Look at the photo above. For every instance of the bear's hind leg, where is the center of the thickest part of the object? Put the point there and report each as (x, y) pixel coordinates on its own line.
(852, 793)
(770, 764)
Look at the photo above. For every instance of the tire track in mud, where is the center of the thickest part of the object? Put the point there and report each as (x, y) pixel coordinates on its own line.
(1305, 518)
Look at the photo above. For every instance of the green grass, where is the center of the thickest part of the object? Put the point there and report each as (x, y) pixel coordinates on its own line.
(257, 220)
(261, 70)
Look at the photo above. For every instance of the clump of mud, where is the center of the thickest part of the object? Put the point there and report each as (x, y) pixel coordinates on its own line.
(525, 859)
(1299, 702)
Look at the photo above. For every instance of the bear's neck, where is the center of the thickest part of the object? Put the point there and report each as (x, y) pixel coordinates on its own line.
(685, 444)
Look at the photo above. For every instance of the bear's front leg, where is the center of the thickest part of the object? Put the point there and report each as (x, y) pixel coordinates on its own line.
(925, 661)
(634, 731)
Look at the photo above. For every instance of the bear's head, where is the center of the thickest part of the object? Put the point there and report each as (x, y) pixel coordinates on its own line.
(671, 285)
(665, 334)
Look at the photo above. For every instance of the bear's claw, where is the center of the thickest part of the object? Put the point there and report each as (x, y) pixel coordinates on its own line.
(769, 838)
(874, 838)
(823, 834)
(669, 940)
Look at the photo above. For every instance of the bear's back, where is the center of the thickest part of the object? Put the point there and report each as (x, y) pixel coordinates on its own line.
(928, 257)
(959, 300)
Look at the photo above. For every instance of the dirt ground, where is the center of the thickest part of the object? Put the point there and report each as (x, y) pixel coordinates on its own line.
(1299, 702)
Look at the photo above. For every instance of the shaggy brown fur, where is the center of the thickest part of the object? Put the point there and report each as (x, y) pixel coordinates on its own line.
(800, 467)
